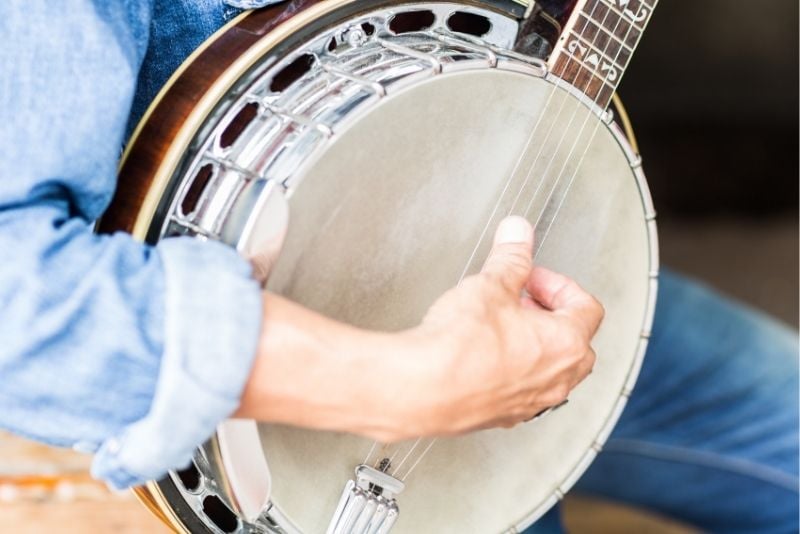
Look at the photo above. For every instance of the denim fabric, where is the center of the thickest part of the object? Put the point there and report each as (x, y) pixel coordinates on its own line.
(710, 434)
(106, 344)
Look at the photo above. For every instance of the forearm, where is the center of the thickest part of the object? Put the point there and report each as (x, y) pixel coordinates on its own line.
(481, 357)
(319, 373)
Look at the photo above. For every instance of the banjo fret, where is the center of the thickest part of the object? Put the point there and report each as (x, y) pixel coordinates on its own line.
(597, 44)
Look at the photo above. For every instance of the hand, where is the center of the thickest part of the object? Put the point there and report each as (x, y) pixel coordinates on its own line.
(498, 349)
(516, 341)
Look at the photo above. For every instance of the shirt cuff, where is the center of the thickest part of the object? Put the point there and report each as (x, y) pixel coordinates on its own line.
(212, 324)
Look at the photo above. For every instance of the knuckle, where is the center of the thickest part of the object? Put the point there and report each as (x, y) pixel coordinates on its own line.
(578, 347)
(518, 262)
(510, 258)
(569, 290)
(574, 346)
(561, 392)
(601, 310)
(557, 394)
(592, 357)
(490, 279)
(498, 285)
(586, 367)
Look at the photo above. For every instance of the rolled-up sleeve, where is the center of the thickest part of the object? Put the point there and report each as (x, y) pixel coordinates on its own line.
(106, 344)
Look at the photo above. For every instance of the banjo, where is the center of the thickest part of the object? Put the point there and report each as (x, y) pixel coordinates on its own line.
(410, 127)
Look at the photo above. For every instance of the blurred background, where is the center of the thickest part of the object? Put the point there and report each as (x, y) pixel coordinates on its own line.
(713, 96)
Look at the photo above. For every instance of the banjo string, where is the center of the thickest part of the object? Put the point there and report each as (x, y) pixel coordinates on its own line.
(522, 156)
(568, 158)
(525, 182)
(560, 142)
(509, 181)
(418, 460)
(524, 153)
(586, 149)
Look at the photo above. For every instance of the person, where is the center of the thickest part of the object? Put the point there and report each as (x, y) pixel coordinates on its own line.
(108, 347)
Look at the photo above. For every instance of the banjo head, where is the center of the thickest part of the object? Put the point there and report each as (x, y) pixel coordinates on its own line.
(380, 172)
(387, 219)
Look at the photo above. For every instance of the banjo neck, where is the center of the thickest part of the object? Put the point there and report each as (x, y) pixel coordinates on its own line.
(597, 44)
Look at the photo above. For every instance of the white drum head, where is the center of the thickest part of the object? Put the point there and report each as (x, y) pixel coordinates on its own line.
(386, 219)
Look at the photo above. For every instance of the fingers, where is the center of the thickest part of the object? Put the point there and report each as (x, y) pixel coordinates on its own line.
(510, 258)
(559, 293)
(584, 368)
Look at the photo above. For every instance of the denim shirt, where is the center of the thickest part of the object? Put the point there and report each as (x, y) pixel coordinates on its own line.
(107, 345)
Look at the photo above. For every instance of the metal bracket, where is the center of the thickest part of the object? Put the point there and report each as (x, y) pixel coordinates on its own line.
(367, 504)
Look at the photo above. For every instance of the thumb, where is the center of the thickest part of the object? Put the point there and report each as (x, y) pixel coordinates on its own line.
(510, 258)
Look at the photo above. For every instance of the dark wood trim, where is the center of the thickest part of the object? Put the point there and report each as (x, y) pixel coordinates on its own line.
(164, 122)
(169, 114)
(597, 44)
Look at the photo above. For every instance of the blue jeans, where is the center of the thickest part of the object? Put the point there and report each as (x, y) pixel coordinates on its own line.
(710, 435)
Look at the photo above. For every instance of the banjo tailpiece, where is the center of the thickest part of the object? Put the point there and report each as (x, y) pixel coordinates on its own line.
(367, 504)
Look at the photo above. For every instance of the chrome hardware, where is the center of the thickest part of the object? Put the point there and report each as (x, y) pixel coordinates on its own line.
(303, 120)
(375, 87)
(307, 114)
(490, 54)
(367, 505)
(188, 226)
(227, 164)
(355, 37)
(403, 50)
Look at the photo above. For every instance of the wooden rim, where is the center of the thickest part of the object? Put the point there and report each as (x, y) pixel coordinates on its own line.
(144, 495)
(194, 91)
(171, 80)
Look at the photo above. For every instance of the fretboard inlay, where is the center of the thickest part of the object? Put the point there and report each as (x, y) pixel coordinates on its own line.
(597, 44)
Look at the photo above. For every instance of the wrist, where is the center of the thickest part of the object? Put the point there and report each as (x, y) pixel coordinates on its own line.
(420, 364)
(318, 373)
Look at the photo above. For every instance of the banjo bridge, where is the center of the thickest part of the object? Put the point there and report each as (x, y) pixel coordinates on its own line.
(367, 504)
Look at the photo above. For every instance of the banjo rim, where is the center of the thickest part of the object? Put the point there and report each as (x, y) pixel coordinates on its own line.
(278, 27)
(154, 495)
